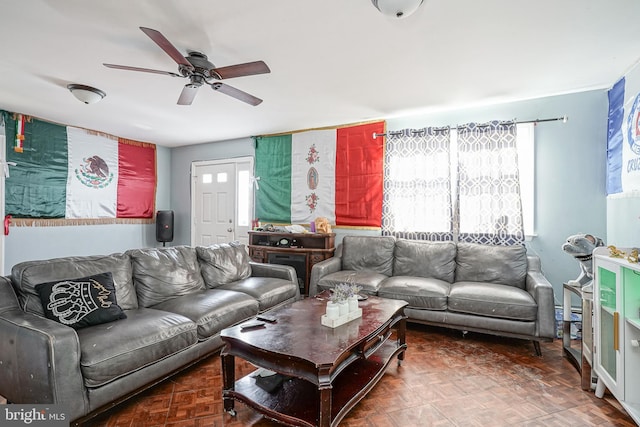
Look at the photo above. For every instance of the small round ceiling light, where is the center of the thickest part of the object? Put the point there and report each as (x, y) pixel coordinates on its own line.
(86, 94)
(397, 8)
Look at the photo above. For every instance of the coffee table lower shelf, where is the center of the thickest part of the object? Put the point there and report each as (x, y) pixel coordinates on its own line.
(296, 402)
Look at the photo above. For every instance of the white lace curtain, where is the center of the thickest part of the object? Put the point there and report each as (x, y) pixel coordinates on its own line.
(489, 204)
(417, 185)
(478, 202)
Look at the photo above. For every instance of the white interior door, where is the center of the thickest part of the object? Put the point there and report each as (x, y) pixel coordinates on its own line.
(222, 201)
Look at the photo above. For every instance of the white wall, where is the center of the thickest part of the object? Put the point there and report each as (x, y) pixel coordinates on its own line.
(623, 210)
(623, 220)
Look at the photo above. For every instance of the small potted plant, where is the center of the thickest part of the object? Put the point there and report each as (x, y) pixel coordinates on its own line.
(342, 305)
(346, 293)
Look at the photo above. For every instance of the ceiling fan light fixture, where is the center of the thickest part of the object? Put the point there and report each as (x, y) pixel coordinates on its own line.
(197, 68)
(397, 8)
(86, 94)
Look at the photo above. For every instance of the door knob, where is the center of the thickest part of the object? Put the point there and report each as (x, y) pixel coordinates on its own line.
(229, 229)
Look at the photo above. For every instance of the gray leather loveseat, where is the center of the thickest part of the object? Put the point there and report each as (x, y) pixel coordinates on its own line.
(176, 301)
(497, 290)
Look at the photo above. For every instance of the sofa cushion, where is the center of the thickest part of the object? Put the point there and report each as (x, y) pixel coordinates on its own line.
(506, 265)
(374, 253)
(425, 259)
(492, 300)
(160, 274)
(223, 263)
(268, 291)
(369, 280)
(419, 292)
(112, 350)
(212, 309)
(81, 302)
(26, 275)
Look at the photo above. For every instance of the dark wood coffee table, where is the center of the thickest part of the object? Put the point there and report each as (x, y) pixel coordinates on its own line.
(331, 370)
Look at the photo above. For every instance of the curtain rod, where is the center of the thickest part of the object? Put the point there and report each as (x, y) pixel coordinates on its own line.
(553, 119)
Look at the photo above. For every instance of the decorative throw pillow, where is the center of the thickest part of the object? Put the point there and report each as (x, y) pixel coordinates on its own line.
(421, 258)
(505, 265)
(161, 274)
(223, 263)
(81, 302)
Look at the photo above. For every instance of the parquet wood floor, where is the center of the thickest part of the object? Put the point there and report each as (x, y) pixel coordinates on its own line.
(445, 380)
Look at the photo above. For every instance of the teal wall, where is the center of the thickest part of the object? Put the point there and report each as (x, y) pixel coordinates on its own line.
(570, 164)
(569, 178)
(569, 174)
(181, 159)
(30, 243)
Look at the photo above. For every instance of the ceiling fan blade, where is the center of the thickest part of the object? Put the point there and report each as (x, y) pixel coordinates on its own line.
(236, 93)
(166, 45)
(146, 70)
(188, 94)
(239, 70)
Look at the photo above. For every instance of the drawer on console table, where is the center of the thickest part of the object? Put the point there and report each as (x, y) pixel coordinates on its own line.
(258, 255)
(316, 258)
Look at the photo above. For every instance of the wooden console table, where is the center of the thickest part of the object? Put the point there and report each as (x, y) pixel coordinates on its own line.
(300, 250)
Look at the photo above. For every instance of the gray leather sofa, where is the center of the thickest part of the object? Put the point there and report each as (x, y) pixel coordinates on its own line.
(497, 290)
(176, 301)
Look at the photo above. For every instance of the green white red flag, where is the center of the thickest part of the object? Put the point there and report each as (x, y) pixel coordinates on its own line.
(335, 174)
(73, 173)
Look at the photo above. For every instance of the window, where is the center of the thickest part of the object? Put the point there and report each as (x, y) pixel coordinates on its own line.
(417, 200)
(422, 183)
(526, 166)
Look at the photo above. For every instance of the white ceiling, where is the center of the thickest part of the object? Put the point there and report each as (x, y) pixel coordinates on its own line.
(332, 61)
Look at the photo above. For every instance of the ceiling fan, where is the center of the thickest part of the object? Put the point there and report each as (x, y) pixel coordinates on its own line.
(197, 68)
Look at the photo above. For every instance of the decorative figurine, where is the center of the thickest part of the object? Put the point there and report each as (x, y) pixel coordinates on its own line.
(581, 246)
(615, 252)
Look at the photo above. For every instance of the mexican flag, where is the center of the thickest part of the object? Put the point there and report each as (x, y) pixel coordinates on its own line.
(335, 173)
(68, 172)
(92, 175)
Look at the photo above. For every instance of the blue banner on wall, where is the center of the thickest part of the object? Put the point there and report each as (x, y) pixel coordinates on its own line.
(623, 135)
(614, 138)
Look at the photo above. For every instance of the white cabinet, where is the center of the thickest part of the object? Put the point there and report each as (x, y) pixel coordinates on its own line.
(616, 311)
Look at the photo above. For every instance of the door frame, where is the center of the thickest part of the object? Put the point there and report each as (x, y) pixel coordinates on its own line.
(235, 161)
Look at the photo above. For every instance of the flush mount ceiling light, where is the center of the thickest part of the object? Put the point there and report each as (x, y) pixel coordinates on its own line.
(86, 94)
(397, 8)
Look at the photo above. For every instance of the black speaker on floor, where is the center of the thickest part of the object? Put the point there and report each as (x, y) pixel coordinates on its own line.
(164, 226)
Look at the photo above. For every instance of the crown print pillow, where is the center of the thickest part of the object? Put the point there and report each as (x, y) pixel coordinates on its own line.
(81, 302)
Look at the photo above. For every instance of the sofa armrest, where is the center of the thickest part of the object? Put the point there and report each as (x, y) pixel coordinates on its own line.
(278, 271)
(321, 269)
(542, 291)
(39, 358)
